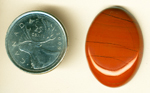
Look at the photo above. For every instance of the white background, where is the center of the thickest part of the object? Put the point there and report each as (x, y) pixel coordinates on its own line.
(73, 74)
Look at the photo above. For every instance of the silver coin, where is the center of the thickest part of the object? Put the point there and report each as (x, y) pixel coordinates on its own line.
(36, 42)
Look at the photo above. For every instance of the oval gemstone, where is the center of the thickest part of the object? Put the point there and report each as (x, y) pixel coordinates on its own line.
(114, 46)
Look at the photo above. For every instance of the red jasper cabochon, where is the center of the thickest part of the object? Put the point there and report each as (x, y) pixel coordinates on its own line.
(114, 46)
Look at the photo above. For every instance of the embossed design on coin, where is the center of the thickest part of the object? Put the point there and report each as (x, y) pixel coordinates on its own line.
(36, 42)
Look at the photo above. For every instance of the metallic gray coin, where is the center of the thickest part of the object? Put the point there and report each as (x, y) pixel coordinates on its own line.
(36, 42)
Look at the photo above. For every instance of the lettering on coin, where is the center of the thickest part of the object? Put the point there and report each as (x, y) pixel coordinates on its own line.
(14, 44)
(38, 42)
(16, 53)
(23, 61)
(16, 33)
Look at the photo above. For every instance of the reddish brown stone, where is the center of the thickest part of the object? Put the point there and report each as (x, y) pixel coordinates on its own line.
(114, 46)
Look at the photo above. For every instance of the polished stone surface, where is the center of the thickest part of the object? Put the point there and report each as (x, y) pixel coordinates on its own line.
(114, 46)
(36, 42)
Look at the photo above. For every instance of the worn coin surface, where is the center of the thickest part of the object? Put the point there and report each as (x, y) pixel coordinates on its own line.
(36, 42)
